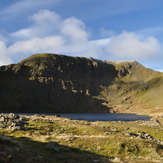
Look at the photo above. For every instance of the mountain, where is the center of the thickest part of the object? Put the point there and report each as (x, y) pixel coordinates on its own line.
(57, 83)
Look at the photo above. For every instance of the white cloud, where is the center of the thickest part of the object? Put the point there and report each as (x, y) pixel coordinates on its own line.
(4, 58)
(129, 45)
(49, 33)
(74, 29)
(160, 70)
(106, 33)
(45, 23)
(3, 38)
(45, 16)
(36, 45)
(101, 42)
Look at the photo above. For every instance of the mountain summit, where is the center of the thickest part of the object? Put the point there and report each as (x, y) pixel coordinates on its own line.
(58, 83)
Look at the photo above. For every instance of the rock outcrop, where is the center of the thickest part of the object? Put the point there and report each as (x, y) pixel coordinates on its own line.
(13, 121)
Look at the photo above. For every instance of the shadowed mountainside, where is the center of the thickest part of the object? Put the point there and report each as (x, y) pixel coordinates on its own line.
(58, 83)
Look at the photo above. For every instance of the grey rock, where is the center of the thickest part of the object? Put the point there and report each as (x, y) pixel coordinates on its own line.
(53, 146)
(14, 128)
(152, 123)
(108, 133)
(2, 118)
(14, 116)
(12, 121)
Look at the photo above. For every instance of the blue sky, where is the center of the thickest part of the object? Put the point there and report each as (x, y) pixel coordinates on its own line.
(102, 29)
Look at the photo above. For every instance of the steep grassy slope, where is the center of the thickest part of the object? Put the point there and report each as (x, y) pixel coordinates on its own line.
(58, 83)
(136, 89)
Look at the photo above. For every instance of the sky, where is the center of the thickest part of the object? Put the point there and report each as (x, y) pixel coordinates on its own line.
(102, 29)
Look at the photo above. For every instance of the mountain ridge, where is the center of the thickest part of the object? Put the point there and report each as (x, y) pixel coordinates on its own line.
(57, 83)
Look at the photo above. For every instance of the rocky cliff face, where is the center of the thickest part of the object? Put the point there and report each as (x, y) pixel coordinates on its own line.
(54, 83)
(58, 83)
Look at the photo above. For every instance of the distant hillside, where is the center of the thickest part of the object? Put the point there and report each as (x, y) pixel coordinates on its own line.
(58, 83)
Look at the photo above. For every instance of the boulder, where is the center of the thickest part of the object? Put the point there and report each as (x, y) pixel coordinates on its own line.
(14, 115)
(2, 119)
(53, 146)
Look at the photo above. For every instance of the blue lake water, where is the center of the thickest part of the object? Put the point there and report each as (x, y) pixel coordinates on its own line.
(105, 116)
(97, 116)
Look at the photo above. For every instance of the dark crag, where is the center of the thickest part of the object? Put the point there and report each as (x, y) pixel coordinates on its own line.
(62, 84)
(54, 83)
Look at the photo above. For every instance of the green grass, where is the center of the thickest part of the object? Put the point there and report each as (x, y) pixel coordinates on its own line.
(87, 140)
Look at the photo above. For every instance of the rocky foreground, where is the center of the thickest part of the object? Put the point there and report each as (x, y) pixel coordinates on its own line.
(52, 139)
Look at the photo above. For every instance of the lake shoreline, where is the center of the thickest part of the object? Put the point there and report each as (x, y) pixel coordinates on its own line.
(93, 116)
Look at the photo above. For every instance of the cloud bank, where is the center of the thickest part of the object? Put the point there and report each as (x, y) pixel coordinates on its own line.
(130, 45)
(49, 32)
